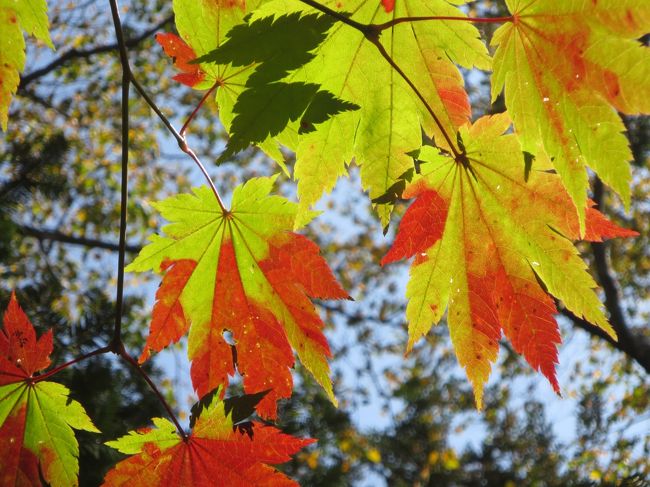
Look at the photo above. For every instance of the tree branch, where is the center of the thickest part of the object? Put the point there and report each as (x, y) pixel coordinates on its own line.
(74, 54)
(126, 85)
(57, 236)
(116, 345)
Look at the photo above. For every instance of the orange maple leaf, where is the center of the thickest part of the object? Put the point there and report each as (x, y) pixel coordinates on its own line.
(214, 454)
(182, 54)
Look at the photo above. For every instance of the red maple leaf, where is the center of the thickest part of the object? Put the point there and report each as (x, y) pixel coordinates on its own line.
(36, 436)
(21, 353)
(182, 54)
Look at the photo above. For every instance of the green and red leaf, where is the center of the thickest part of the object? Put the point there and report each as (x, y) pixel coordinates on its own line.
(566, 68)
(36, 418)
(240, 279)
(483, 241)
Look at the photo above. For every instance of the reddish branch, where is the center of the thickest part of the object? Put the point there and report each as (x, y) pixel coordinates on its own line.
(58, 369)
(198, 107)
(116, 345)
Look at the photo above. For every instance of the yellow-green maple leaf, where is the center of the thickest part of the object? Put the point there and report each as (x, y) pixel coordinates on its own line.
(30, 16)
(390, 122)
(566, 66)
(483, 241)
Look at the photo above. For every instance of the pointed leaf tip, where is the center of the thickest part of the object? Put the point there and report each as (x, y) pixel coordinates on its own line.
(181, 54)
(389, 5)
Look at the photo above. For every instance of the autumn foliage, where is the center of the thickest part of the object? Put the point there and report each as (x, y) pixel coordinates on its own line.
(498, 203)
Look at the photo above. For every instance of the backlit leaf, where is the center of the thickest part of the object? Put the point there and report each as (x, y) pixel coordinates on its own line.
(245, 273)
(36, 418)
(213, 454)
(391, 118)
(267, 105)
(483, 240)
(566, 67)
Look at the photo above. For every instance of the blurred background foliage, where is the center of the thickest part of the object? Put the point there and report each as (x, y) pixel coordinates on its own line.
(403, 421)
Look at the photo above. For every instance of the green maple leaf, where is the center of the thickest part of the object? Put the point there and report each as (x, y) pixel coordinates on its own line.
(267, 105)
(36, 418)
(390, 122)
(30, 16)
(565, 67)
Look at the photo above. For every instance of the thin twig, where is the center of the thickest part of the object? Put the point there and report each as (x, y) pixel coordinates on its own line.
(363, 28)
(58, 369)
(125, 355)
(180, 139)
(198, 107)
(116, 345)
(126, 84)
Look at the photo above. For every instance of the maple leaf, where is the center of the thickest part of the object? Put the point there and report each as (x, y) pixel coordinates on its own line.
(244, 272)
(267, 105)
(214, 450)
(390, 121)
(182, 54)
(36, 418)
(31, 16)
(203, 25)
(484, 241)
(564, 66)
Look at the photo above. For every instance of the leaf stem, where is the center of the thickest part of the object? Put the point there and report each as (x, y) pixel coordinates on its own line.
(477, 20)
(198, 107)
(372, 33)
(127, 80)
(391, 61)
(125, 355)
(180, 139)
(58, 369)
(364, 28)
